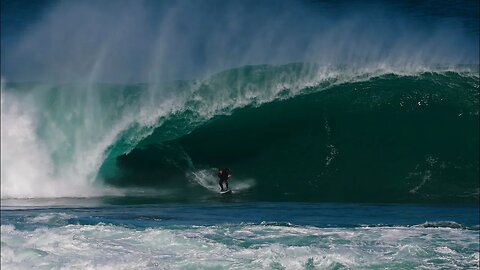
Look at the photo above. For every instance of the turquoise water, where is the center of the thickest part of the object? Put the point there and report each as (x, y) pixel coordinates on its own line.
(127, 233)
(286, 135)
(388, 138)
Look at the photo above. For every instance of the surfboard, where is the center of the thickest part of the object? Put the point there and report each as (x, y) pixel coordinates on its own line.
(226, 191)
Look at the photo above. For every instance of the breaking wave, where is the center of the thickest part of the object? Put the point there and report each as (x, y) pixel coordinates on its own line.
(292, 132)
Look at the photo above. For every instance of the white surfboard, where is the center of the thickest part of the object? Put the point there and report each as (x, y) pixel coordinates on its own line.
(226, 191)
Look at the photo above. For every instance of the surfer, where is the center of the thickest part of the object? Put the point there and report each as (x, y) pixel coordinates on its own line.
(223, 174)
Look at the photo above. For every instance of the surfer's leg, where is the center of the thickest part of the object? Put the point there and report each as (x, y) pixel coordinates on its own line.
(226, 184)
(221, 185)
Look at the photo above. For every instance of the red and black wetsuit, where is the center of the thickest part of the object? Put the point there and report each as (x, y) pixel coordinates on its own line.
(223, 175)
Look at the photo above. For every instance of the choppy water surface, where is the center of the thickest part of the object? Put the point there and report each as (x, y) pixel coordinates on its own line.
(92, 234)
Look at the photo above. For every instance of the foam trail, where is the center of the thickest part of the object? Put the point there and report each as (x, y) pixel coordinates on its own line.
(207, 179)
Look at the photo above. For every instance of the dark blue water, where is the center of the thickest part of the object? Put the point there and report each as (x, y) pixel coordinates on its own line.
(313, 214)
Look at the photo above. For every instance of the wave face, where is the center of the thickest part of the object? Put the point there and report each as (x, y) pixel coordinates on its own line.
(389, 138)
(292, 132)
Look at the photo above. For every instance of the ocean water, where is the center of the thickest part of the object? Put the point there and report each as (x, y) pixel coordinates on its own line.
(127, 233)
(351, 129)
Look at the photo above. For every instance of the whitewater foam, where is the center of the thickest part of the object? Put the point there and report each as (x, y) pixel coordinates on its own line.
(106, 246)
(27, 168)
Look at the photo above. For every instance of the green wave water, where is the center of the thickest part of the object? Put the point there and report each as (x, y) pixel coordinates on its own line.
(298, 132)
(386, 138)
